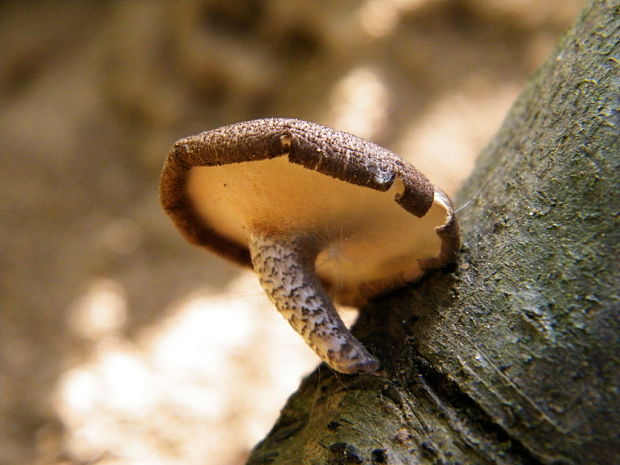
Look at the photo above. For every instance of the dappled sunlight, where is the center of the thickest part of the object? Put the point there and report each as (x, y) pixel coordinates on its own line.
(445, 141)
(359, 103)
(101, 310)
(219, 368)
(380, 17)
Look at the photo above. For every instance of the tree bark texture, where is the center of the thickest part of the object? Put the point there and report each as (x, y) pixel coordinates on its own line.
(512, 358)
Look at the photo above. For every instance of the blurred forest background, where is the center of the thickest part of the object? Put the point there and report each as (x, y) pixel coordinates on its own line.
(121, 343)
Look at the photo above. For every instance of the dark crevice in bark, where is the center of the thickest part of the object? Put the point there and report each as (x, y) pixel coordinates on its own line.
(466, 417)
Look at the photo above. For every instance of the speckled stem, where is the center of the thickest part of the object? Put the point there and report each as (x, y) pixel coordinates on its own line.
(285, 268)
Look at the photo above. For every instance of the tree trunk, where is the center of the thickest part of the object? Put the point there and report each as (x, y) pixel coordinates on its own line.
(512, 358)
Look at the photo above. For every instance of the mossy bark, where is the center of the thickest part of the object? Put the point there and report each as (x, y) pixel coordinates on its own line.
(512, 358)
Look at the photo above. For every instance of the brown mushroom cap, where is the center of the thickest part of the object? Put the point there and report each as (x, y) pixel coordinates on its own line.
(378, 221)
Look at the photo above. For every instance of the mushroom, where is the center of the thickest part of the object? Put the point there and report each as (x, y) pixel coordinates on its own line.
(315, 211)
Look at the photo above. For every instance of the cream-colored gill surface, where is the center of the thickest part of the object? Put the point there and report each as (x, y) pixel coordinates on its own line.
(366, 235)
(385, 253)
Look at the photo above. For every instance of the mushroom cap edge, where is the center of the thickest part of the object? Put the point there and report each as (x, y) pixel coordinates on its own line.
(334, 153)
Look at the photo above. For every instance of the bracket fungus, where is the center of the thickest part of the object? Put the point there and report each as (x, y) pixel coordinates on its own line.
(316, 212)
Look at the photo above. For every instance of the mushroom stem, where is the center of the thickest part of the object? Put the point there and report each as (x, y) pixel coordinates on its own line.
(285, 269)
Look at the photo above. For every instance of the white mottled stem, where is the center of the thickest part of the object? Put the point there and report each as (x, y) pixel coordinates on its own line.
(285, 268)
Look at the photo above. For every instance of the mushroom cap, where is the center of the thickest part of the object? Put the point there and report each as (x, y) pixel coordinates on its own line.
(375, 220)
